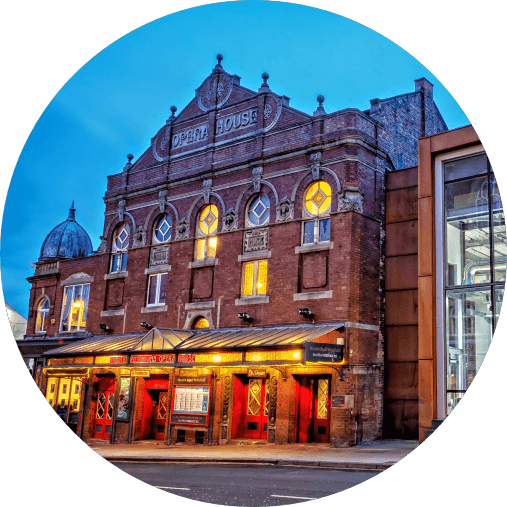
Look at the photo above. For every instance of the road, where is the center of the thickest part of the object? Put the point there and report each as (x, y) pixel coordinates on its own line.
(245, 485)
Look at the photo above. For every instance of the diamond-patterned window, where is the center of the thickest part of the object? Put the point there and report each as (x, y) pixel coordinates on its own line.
(162, 405)
(121, 238)
(163, 229)
(322, 398)
(255, 277)
(254, 396)
(317, 204)
(258, 211)
(207, 226)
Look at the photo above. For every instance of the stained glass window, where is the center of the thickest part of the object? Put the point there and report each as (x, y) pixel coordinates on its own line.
(163, 229)
(258, 211)
(317, 204)
(120, 245)
(207, 226)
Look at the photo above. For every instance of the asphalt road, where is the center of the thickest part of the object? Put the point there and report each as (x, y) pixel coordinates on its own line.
(249, 486)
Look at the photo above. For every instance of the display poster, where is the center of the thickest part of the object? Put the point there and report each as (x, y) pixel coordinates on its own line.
(191, 399)
(123, 400)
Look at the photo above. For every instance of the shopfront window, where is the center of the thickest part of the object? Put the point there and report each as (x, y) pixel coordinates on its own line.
(475, 259)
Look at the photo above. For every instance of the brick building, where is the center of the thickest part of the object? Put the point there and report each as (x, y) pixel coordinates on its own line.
(239, 287)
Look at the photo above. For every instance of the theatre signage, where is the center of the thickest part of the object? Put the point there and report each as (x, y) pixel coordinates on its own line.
(323, 352)
(152, 358)
(190, 401)
(236, 121)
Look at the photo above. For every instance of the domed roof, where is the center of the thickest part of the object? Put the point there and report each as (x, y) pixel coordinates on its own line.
(67, 240)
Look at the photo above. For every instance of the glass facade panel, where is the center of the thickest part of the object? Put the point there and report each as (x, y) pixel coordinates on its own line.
(499, 234)
(467, 232)
(468, 335)
(499, 292)
(466, 167)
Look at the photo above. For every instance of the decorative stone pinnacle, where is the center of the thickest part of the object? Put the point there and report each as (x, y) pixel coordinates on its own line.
(130, 157)
(320, 110)
(265, 76)
(173, 110)
(218, 66)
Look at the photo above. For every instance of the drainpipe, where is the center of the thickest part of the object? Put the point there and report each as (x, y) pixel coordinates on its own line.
(218, 311)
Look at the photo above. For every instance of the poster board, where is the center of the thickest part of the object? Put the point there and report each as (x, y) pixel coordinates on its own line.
(190, 400)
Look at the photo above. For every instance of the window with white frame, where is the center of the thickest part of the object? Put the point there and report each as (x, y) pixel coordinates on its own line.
(157, 286)
(41, 323)
(255, 277)
(207, 226)
(163, 229)
(258, 211)
(472, 243)
(317, 206)
(120, 246)
(75, 307)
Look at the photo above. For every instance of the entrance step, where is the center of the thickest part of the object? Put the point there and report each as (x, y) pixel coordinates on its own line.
(435, 423)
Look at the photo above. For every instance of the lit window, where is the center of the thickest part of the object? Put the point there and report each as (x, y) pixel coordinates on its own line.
(75, 307)
(317, 205)
(201, 323)
(120, 245)
(157, 289)
(258, 211)
(163, 228)
(255, 276)
(206, 245)
(41, 324)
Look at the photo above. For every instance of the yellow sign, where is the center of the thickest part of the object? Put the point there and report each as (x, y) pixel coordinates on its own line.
(140, 373)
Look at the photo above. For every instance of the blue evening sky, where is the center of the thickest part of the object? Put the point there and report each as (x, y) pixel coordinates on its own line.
(121, 97)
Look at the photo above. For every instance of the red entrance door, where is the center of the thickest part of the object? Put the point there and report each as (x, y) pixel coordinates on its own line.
(161, 415)
(105, 408)
(250, 408)
(313, 409)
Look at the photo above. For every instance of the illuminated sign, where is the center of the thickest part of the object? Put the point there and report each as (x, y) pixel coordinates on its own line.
(111, 360)
(186, 358)
(151, 359)
(140, 373)
(323, 352)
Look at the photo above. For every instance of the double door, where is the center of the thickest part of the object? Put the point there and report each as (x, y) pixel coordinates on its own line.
(250, 407)
(104, 410)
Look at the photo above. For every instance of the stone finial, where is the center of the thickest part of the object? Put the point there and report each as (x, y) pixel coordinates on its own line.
(264, 85)
(72, 212)
(320, 109)
(172, 117)
(128, 165)
(218, 66)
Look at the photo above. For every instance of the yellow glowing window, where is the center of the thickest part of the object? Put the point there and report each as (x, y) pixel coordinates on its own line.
(208, 220)
(201, 323)
(318, 198)
(75, 307)
(255, 276)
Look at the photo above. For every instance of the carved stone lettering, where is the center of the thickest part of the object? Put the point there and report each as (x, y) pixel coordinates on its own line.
(236, 121)
(193, 135)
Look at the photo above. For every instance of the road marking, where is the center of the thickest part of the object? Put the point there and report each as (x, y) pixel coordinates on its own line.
(299, 497)
(171, 487)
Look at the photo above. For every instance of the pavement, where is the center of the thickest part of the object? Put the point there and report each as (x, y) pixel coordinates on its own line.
(377, 455)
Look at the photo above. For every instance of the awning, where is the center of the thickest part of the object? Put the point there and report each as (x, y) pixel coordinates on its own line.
(163, 339)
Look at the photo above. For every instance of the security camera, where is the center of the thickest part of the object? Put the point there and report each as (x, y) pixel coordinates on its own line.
(105, 327)
(146, 325)
(245, 317)
(306, 313)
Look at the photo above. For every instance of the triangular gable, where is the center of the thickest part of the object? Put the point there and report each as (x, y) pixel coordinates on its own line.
(161, 339)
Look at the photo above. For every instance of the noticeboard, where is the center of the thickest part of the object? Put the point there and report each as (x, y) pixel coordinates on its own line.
(190, 400)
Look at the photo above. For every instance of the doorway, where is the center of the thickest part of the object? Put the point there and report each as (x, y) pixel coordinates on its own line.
(250, 407)
(155, 409)
(105, 408)
(312, 395)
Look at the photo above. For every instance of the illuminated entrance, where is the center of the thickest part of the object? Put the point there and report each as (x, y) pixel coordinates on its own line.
(104, 409)
(250, 407)
(312, 409)
(155, 408)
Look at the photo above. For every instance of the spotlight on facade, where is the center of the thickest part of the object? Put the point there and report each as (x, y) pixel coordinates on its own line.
(105, 328)
(146, 325)
(245, 317)
(306, 313)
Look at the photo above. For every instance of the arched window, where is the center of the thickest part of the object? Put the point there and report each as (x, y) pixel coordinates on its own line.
(207, 225)
(200, 323)
(120, 245)
(41, 324)
(317, 206)
(258, 211)
(163, 229)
